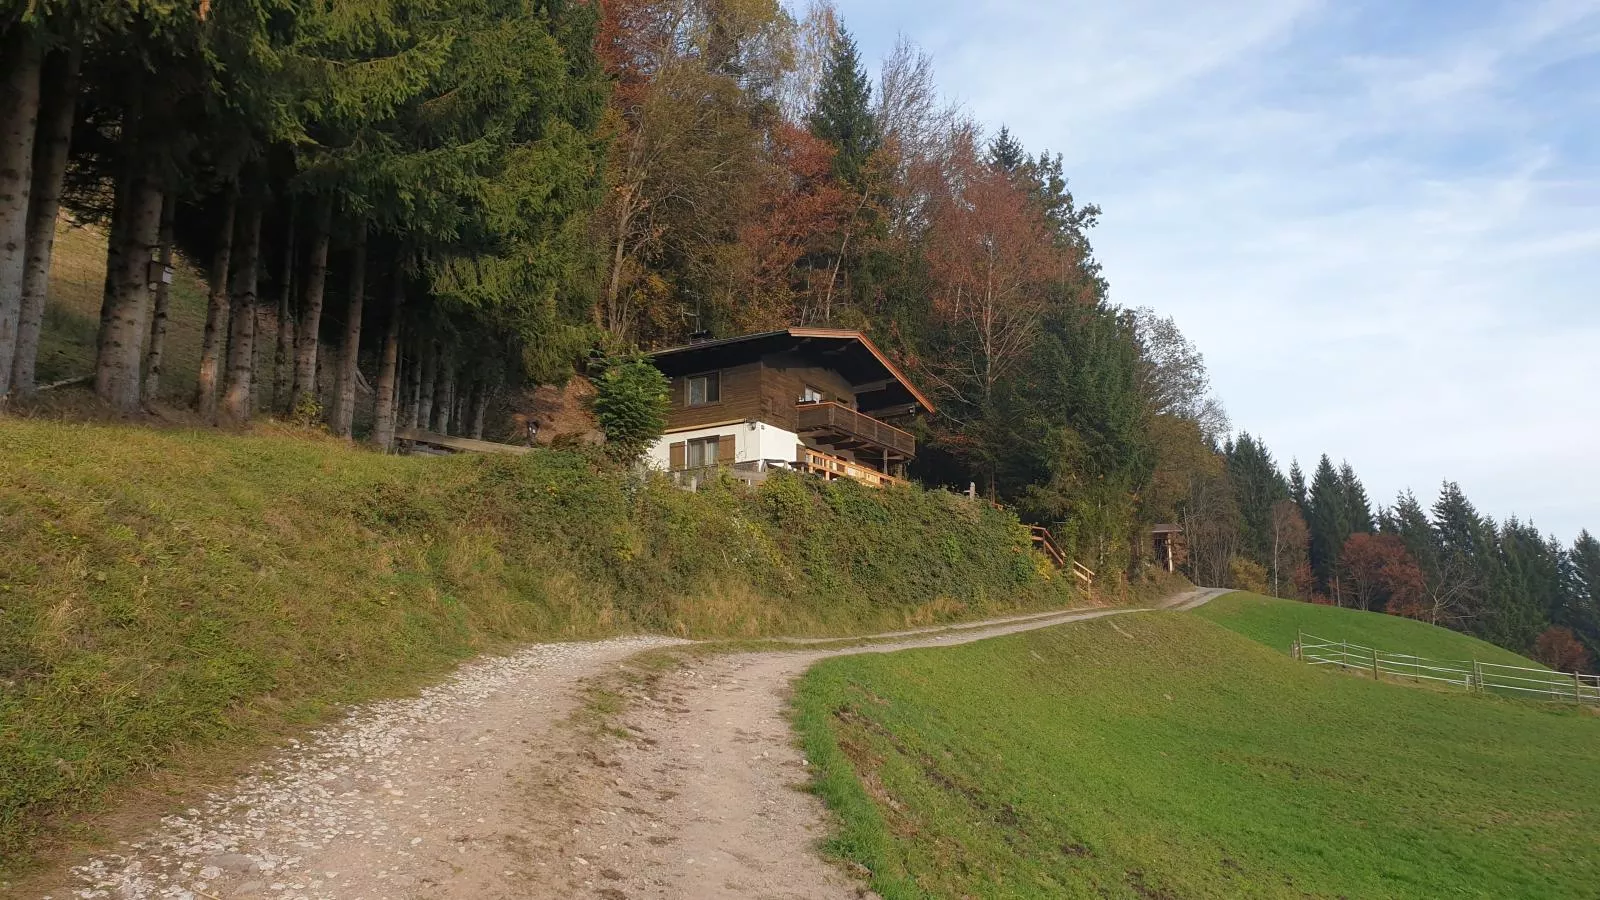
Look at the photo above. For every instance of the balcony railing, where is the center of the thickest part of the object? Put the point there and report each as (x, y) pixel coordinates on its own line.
(833, 467)
(843, 420)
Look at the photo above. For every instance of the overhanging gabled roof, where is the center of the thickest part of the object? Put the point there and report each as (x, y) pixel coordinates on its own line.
(850, 352)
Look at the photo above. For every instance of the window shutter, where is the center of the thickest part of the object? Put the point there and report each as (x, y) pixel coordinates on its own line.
(725, 450)
(677, 456)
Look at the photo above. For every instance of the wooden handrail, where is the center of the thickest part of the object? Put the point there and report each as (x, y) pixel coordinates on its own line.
(831, 467)
(829, 414)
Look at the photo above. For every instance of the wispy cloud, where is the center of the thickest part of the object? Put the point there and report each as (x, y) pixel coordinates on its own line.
(1378, 219)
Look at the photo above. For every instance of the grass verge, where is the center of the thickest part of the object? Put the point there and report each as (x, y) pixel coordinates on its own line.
(164, 592)
(1160, 756)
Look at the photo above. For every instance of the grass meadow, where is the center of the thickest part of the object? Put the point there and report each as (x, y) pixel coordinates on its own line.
(1160, 756)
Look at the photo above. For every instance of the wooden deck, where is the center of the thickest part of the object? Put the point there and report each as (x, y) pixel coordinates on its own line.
(841, 427)
(832, 467)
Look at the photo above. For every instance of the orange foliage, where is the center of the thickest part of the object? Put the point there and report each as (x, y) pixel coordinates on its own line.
(993, 257)
(1559, 649)
(1382, 573)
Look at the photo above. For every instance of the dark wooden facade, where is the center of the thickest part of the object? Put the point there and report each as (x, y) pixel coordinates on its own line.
(773, 378)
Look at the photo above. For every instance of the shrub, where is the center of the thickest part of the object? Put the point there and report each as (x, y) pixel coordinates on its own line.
(1247, 575)
(631, 406)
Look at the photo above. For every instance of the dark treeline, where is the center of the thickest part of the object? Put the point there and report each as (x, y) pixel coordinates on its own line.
(379, 181)
(1325, 541)
(408, 207)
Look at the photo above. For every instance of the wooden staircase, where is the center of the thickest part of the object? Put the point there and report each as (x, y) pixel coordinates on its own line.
(1045, 543)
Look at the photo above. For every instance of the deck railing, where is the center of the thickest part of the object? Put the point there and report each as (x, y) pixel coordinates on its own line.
(837, 417)
(833, 467)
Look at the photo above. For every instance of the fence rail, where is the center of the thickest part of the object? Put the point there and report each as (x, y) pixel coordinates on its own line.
(1469, 674)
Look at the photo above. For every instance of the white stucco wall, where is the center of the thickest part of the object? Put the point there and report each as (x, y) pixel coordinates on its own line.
(761, 442)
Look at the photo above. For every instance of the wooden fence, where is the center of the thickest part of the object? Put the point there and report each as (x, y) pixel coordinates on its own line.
(1470, 674)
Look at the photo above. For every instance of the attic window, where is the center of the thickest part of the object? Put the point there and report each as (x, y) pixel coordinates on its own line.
(704, 389)
(811, 395)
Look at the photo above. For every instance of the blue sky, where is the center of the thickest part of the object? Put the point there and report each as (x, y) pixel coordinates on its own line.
(1379, 220)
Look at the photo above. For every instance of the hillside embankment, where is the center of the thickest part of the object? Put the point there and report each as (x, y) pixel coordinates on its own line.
(165, 594)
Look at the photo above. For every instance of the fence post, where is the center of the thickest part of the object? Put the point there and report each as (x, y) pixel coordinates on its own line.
(1477, 677)
(1577, 688)
(1376, 672)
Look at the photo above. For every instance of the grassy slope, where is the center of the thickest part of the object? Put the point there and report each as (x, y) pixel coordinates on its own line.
(165, 590)
(1276, 622)
(1161, 756)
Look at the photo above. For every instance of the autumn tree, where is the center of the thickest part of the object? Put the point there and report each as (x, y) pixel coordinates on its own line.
(992, 260)
(695, 85)
(1560, 649)
(1378, 572)
(1290, 545)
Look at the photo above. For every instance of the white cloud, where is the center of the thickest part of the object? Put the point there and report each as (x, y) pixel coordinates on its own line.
(1386, 248)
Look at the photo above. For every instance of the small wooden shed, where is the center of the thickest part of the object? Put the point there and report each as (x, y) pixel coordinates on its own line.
(1168, 546)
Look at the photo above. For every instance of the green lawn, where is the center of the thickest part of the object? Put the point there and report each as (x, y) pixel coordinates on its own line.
(1161, 756)
(1276, 622)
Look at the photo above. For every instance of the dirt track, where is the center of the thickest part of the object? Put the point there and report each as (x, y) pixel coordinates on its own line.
(482, 788)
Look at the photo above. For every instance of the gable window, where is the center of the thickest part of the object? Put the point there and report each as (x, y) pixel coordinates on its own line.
(704, 389)
(703, 453)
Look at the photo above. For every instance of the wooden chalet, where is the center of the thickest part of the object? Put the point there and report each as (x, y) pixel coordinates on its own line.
(816, 400)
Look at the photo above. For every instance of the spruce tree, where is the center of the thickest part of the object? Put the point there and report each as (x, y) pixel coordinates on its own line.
(1257, 486)
(1583, 591)
(843, 114)
(1410, 523)
(1357, 506)
(1297, 485)
(1328, 521)
(1006, 152)
(1467, 555)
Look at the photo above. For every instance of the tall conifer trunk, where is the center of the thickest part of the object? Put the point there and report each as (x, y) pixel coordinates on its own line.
(384, 414)
(308, 342)
(124, 315)
(20, 60)
(414, 386)
(283, 360)
(238, 394)
(217, 310)
(158, 317)
(344, 394)
(58, 95)
(480, 408)
(444, 400)
(430, 381)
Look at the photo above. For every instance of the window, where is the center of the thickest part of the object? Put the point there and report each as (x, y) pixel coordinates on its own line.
(704, 389)
(812, 395)
(703, 452)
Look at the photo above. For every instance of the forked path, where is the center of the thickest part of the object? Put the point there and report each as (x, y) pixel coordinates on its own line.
(480, 788)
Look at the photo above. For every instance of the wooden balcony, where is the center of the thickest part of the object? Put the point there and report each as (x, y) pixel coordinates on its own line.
(832, 467)
(842, 428)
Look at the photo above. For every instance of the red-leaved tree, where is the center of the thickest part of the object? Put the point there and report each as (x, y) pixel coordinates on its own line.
(993, 257)
(1381, 573)
(1559, 649)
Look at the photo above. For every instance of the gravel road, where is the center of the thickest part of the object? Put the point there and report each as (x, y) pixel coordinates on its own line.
(480, 787)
